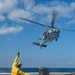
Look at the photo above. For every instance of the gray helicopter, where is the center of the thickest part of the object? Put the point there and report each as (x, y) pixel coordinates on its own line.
(51, 33)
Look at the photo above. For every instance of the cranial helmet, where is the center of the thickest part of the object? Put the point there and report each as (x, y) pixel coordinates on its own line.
(19, 64)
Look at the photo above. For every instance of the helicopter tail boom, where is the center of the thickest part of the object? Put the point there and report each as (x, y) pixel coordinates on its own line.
(38, 44)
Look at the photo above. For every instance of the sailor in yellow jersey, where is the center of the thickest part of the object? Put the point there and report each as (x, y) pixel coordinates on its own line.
(16, 67)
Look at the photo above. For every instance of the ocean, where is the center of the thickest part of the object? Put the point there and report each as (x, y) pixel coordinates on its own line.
(8, 70)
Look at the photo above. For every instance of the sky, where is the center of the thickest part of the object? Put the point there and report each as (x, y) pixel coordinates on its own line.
(18, 35)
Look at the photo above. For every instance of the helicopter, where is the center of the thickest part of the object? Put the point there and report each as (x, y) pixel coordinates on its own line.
(51, 33)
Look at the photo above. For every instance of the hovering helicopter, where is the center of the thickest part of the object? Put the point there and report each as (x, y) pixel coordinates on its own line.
(51, 33)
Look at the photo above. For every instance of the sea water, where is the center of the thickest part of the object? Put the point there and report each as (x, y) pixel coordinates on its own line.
(8, 70)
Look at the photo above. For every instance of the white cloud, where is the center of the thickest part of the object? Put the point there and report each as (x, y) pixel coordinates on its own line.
(7, 5)
(64, 8)
(12, 29)
(17, 13)
(72, 5)
(31, 6)
(28, 4)
(71, 22)
(33, 10)
(2, 18)
(41, 9)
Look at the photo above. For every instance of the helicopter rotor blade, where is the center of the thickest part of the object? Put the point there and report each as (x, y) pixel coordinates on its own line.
(33, 22)
(54, 15)
(69, 30)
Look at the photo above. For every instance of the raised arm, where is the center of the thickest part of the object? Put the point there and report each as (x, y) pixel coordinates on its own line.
(16, 59)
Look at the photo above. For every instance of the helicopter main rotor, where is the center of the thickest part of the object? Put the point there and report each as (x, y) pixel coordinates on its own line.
(54, 15)
(34, 22)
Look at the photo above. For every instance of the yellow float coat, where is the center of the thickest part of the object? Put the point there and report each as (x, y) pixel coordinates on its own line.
(15, 70)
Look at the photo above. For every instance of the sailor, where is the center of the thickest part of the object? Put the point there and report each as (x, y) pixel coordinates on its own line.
(16, 67)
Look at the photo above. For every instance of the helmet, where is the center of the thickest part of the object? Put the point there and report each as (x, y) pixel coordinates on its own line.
(19, 64)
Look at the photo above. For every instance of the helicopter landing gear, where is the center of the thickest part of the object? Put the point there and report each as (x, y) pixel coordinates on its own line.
(56, 39)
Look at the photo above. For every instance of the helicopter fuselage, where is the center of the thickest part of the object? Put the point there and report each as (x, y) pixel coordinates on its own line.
(49, 35)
